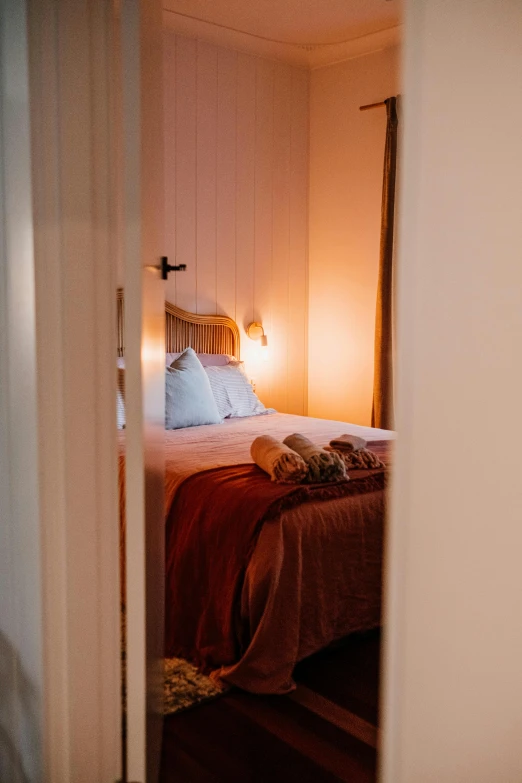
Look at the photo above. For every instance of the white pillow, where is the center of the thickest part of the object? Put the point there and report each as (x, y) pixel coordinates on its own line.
(233, 391)
(188, 396)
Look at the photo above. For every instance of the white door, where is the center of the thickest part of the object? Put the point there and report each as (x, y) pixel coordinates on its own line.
(143, 198)
(59, 591)
(453, 651)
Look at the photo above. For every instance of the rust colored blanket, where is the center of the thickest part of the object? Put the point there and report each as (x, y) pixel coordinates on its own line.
(212, 529)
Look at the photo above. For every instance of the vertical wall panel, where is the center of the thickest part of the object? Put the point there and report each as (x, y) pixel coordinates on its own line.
(245, 195)
(236, 191)
(185, 173)
(169, 66)
(206, 153)
(226, 184)
(281, 234)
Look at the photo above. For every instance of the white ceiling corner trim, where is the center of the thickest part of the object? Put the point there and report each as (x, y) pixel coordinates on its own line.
(304, 55)
(322, 56)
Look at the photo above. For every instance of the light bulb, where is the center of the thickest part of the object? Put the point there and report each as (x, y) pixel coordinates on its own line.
(264, 348)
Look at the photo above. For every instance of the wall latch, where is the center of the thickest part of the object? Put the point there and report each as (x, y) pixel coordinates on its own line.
(166, 267)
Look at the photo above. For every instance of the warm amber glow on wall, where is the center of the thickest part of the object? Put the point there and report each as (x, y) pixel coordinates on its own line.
(346, 161)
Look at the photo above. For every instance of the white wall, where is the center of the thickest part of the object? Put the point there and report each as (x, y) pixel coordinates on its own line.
(236, 200)
(346, 167)
(237, 160)
(453, 706)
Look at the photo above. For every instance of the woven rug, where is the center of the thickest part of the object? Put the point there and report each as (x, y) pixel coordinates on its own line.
(185, 686)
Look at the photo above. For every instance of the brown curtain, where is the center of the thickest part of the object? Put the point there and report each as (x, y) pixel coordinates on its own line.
(382, 410)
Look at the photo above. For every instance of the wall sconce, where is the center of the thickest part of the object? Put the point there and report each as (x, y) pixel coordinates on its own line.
(256, 332)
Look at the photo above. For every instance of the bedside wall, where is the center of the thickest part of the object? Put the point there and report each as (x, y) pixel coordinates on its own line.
(236, 202)
(346, 164)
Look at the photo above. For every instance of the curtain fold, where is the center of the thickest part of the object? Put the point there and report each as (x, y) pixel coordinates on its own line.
(382, 409)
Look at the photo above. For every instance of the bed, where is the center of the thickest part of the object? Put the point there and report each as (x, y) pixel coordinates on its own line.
(313, 572)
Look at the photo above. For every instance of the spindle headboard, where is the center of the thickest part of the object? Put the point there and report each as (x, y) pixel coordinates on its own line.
(203, 333)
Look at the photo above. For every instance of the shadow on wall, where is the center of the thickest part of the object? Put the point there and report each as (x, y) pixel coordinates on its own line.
(19, 719)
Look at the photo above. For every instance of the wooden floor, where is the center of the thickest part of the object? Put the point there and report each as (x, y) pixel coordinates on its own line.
(322, 733)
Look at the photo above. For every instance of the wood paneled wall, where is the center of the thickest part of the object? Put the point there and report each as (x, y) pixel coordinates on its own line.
(236, 202)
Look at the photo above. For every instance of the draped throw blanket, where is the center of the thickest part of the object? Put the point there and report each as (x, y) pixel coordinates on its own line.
(382, 409)
(211, 532)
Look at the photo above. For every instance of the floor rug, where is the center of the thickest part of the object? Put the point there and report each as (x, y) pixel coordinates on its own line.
(185, 686)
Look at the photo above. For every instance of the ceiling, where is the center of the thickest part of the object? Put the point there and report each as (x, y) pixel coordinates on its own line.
(306, 32)
(295, 21)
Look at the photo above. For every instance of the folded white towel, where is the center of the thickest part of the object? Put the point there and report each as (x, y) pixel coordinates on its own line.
(322, 465)
(348, 443)
(361, 458)
(281, 463)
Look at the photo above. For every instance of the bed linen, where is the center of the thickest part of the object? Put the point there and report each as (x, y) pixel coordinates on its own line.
(211, 533)
(315, 573)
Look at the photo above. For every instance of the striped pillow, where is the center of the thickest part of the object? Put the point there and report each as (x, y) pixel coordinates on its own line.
(206, 359)
(233, 391)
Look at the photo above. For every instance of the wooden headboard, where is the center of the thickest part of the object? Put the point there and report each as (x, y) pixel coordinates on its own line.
(203, 333)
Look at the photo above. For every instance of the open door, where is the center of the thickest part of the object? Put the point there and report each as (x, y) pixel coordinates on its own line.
(142, 219)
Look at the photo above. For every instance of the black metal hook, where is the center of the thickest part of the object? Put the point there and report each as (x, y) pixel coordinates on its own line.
(166, 267)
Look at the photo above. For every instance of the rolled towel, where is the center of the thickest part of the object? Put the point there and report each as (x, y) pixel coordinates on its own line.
(322, 465)
(362, 458)
(348, 443)
(281, 463)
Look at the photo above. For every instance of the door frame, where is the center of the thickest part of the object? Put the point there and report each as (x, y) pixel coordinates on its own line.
(142, 199)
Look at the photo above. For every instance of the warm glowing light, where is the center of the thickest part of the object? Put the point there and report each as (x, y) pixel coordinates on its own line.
(256, 333)
(152, 351)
